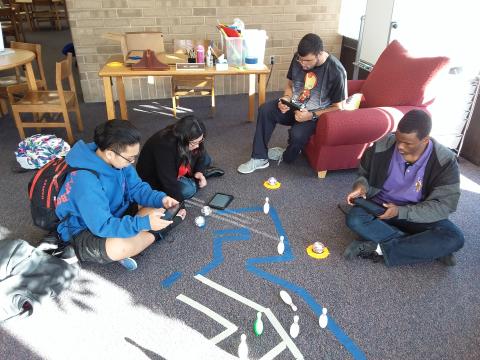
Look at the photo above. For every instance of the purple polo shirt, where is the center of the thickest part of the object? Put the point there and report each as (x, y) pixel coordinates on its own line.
(404, 182)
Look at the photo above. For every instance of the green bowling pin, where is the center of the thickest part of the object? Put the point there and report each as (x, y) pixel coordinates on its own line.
(258, 325)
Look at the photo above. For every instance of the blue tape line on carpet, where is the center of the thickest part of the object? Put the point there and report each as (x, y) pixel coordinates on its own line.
(169, 280)
(241, 234)
(287, 256)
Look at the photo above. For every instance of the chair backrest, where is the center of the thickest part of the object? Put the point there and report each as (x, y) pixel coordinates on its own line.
(10, 25)
(37, 49)
(63, 70)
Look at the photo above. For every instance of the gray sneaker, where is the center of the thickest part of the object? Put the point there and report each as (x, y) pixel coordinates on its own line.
(275, 153)
(252, 165)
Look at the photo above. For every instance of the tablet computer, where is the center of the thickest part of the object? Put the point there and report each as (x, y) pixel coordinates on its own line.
(370, 206)
(220, 201)
(291, 105)
(171, 212)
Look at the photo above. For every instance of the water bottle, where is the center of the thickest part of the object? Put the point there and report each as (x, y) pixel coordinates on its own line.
(209, 57)
(200, 54)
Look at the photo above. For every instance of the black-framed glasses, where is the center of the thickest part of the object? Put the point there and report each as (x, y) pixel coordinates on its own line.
(130, 160)
(304, 61)
(195, 143)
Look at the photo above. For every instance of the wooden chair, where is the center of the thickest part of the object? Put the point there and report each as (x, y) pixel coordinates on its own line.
(60, 101)
(52, 11)
(24, 13)
(195, 85)
(11, 24)
(19, 77)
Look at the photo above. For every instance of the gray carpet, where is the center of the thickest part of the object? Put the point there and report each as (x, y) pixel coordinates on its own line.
(423, 311)
(426, 311)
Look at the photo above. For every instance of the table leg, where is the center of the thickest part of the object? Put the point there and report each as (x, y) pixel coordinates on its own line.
(107, 88)
(121, 98)
(251, 96)
(262, 84)
(32, 83)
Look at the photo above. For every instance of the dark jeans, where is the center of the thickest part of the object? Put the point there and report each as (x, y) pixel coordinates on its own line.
(188, 185)
(268, 117)
(404, 242)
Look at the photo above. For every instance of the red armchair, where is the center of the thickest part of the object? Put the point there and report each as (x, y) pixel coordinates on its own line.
(397, 84)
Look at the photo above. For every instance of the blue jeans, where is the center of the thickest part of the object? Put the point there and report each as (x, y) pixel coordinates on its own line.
(404, 242)
(268, 117)
(188, 185)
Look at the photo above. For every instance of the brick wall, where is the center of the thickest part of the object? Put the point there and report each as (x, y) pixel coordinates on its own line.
(285, 22)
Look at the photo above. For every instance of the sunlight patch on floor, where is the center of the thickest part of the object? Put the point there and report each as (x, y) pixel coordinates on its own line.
(98, 317)
(469, 185)
(157, 108)
(3, 232)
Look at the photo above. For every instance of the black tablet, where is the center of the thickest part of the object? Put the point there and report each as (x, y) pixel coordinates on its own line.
(220, 201)
(371, 207)
(171, 212)
(291, 105)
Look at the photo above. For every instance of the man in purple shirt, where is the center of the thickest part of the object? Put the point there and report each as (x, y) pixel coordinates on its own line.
(414, 182)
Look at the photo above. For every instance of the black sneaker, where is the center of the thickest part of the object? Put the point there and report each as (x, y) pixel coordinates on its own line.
(50, 243)
(372, 256)
(213, 172)
(67, 254)
(363, 249)
(448, 260)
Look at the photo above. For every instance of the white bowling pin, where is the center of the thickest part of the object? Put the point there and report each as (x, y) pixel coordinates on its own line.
(266, 206)
(281, 245)
(243, 348)
(323, 319)
(287, 299)
(294, 328)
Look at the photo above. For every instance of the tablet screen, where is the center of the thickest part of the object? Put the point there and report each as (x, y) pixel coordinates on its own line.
(220, 201)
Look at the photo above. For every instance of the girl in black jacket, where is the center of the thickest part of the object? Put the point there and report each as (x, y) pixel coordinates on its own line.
(174, 159)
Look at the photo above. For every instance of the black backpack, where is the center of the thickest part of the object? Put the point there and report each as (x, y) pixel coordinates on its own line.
(43, 190)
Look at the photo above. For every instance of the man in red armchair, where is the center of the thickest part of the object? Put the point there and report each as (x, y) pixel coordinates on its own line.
(414, 183)
(316, 84)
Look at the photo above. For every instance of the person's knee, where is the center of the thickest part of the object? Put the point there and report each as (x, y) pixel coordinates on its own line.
(452, 237)
(189, 190)
(357, 218)
(188, 187)
(299, 135)
(189, 193)
(267, 110)
(457, 240)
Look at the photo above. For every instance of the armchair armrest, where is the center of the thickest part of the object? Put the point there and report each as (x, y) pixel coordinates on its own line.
(359, 126)
(354, 86)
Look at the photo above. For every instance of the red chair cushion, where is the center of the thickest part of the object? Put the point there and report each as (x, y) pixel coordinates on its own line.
(400, 79)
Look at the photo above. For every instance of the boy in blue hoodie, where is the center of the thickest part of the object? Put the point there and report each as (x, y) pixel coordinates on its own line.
(91, 205)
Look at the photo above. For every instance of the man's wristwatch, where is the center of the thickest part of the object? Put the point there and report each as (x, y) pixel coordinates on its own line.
(314, 116)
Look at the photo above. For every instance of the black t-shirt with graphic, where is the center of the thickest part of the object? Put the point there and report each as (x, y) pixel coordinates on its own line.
(319, 87)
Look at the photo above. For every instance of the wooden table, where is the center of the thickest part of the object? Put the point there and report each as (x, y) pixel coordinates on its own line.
(119, 72)
(18, 57)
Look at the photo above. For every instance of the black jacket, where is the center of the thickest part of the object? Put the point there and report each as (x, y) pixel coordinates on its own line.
(159, 162)
(441, 190)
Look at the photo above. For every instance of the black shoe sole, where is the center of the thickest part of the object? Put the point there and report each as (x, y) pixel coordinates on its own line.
(213, 172)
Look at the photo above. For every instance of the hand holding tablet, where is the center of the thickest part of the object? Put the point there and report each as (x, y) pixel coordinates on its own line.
(291, 105)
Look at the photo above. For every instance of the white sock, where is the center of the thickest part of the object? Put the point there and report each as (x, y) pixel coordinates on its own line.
(378, 250)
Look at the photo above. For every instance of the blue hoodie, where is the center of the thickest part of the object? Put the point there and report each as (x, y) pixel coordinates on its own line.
(86, 201)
